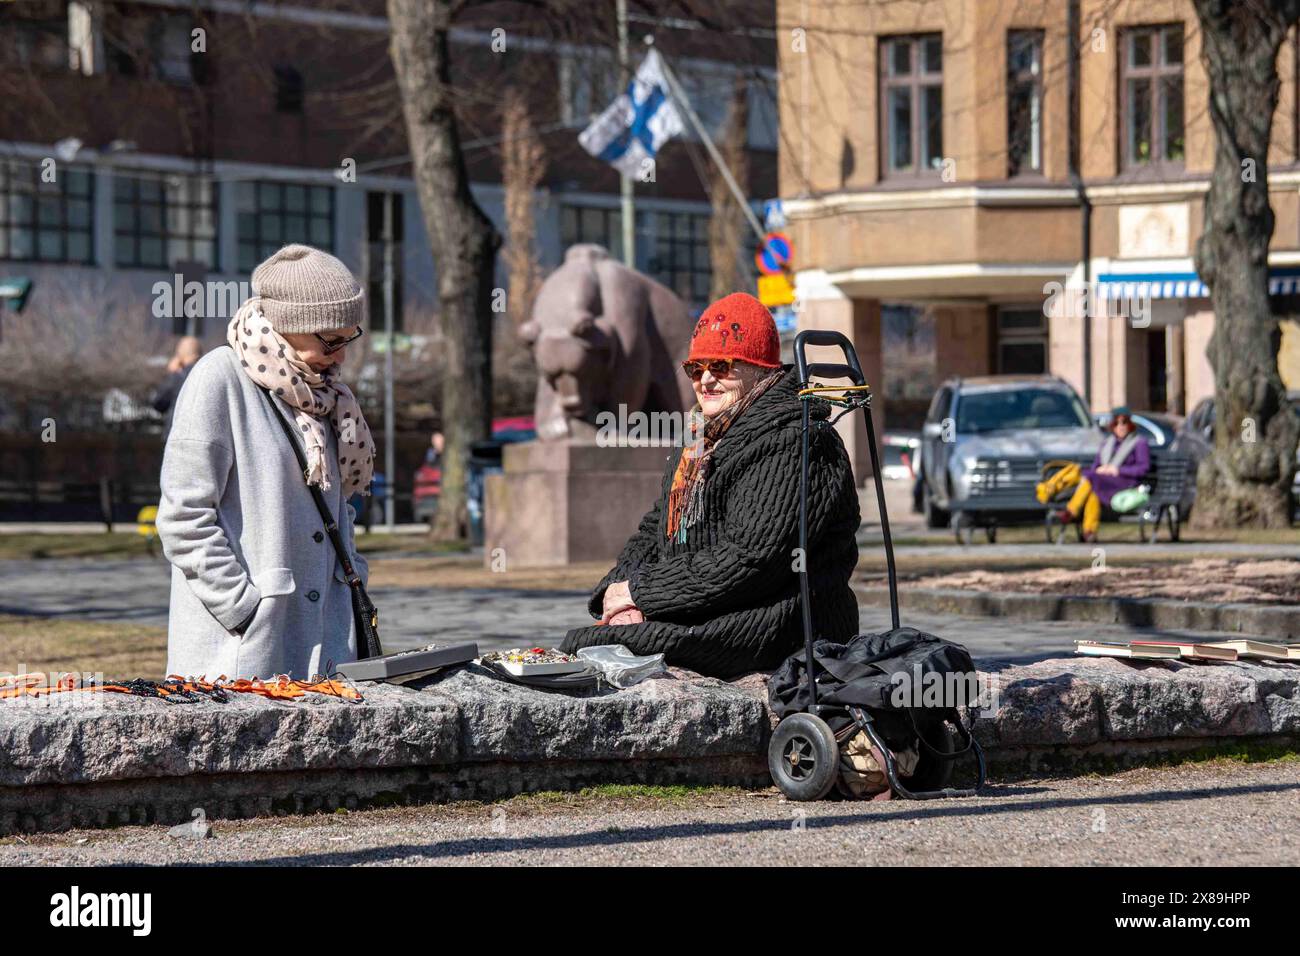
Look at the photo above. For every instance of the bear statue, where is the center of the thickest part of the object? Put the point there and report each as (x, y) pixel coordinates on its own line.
(604, 335)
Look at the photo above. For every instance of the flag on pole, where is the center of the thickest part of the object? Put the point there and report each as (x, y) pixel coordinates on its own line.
(637, 124)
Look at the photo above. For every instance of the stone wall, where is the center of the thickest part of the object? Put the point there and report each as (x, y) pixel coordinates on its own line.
(97, 760)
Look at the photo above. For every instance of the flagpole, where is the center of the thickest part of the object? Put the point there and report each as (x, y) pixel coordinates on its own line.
(625, 181)
(680, 96)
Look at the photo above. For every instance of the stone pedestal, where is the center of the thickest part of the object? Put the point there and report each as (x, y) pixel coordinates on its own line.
(559, 502)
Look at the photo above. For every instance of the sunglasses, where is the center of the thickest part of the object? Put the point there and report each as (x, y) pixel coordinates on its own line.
(718, 368)
(333, 345)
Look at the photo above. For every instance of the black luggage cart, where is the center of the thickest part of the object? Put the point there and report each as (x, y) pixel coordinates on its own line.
(803, 755)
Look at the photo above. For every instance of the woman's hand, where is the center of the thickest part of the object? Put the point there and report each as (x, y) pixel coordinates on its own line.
(618, 598)
(630, 616)
(1108, 470)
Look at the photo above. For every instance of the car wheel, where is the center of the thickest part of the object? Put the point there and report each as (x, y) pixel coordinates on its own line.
(935, 517)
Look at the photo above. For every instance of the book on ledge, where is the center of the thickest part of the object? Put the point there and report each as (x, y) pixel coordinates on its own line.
(1154, 652)
(1195, 650)
(1262, 650)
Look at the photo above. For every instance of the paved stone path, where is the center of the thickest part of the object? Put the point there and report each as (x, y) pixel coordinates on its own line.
(136, 590)
(1194, 815)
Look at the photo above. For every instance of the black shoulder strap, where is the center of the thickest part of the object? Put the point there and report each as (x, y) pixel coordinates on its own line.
(331, 526)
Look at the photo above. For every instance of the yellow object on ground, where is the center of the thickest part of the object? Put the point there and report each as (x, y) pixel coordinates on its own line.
(147, 521)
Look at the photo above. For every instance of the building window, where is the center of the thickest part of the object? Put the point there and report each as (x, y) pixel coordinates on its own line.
(587, 84)
(681, 254)
(1152, 90)
(34, 40)
(601, 225)
(271, 215)
(288, 90)
(911, 104)
(162, 220)
(1022, 341)
(1024, 102)
(152, 44)
(46, 221)
(375, 259)
(672, 247)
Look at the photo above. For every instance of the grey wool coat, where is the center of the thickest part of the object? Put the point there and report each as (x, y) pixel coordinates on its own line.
(244, 538)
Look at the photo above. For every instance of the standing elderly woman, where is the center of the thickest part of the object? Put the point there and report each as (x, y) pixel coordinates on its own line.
(257, 588)
(710, 577)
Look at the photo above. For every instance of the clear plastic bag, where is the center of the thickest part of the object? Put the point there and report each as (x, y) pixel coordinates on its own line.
(620, 666)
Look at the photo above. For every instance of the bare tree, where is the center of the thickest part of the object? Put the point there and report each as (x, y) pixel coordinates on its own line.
(727, 227)
(1247, 478)
(523, 164)
(463, 240)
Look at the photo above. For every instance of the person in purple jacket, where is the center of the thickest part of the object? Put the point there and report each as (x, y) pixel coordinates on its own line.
(1121, 463)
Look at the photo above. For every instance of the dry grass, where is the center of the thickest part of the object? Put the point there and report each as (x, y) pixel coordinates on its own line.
(469, 572)
(45, 644)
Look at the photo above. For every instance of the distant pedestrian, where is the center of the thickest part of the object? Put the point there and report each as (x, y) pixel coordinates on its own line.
(188, 351)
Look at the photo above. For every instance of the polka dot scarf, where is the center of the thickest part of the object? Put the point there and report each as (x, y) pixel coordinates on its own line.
(316, 397)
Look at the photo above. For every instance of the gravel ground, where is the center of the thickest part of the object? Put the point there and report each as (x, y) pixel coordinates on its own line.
(1214, 813)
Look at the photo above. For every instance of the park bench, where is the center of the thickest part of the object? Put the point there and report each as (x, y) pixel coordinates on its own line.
(1168, 478)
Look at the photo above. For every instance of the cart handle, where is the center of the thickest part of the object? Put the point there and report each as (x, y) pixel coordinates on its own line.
(852, 370)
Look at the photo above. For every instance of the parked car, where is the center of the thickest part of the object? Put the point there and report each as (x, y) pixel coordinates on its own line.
(985, 441)
(899, 451)
(484, 459)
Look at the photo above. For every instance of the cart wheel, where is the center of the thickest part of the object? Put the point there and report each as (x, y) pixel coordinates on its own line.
(803, 757)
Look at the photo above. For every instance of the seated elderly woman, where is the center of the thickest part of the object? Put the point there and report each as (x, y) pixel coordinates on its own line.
(710, 576)
(1121, 462)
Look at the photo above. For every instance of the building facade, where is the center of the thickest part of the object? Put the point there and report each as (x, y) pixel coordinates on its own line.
(148, 140)
(1028, 177)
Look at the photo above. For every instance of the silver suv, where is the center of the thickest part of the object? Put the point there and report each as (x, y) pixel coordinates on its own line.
(984, 442)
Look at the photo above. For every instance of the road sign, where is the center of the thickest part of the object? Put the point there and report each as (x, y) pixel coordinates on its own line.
(775, 290)
(773, 215)
(775, 255)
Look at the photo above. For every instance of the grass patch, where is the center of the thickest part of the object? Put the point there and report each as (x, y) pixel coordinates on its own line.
(375, 543)
(34, 547)
(1231, 753)
(675, 795)
(130, 544)
(119, 651)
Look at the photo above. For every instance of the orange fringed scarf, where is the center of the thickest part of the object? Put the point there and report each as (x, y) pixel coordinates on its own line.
(686, 493)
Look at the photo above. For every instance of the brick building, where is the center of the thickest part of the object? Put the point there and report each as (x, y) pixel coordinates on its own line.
(956, 161)
(176, 160)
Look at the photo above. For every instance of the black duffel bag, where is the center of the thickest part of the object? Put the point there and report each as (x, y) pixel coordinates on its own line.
(861, 673)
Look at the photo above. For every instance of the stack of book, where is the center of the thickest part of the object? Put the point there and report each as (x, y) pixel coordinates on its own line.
(1191, 650)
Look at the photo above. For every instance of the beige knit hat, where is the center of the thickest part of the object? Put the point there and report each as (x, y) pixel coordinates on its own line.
(306, 290)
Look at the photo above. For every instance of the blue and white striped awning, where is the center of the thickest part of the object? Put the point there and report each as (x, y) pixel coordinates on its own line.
(1181, 285)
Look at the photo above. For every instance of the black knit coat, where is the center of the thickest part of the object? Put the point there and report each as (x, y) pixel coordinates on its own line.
(726, 600)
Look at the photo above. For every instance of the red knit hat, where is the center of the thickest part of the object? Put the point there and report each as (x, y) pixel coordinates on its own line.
(739, 327)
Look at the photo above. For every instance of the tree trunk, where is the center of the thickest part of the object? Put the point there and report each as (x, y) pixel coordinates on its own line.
(463, 240)
(1246, 480)
(727, 227)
